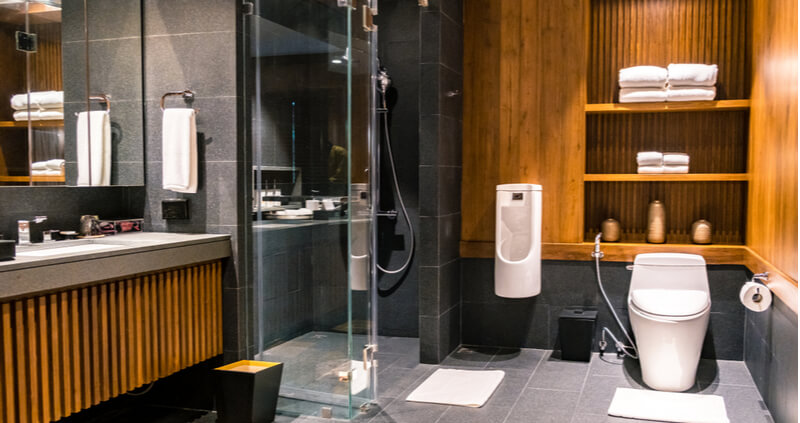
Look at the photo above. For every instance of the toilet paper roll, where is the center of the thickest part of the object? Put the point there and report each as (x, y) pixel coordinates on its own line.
(749, 290)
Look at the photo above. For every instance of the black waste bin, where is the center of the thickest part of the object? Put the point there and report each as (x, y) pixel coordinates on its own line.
(576, 333)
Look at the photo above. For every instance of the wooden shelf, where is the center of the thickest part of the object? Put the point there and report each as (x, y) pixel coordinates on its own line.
(35, 123)
(59, 178)
(678, 106)
(664, 177)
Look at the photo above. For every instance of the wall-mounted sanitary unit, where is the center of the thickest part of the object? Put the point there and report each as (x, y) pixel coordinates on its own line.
(518, 241)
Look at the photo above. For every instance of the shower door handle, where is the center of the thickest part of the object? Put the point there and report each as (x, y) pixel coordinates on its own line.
(369, 354)
(366, 19)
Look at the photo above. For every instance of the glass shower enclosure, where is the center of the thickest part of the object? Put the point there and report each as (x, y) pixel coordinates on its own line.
(308, 78)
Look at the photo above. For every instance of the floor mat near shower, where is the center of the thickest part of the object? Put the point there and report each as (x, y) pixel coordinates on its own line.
(467, 388)
(668, 406)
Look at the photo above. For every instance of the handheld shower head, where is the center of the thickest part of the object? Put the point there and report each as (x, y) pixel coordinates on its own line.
(384, 80)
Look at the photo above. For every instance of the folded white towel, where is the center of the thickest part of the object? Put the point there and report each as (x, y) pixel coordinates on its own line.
(179, 150)
(676, 159)
(49, 114)
(642, 95)
(691, 93)
(649, 158)
(39, 166)
(39, 100)
(94, 156)
(55, 164)
(643, 76)
(691, 74)
(650, 169)
(46, 172)
(676, 169)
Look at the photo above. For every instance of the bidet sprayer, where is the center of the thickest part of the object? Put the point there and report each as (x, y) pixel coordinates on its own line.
(597, 253)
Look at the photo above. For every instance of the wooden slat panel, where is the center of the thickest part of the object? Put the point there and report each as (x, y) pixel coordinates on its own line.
(64, 352)
(772, 214)
(627, 33)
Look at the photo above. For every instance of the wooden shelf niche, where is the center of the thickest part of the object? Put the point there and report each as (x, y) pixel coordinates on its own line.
(679, 106)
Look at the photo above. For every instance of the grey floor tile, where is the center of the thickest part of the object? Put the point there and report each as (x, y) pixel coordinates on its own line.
(723, 372)
(598, 392)
(593, 418)
(394, 381)
(398, 345)
(401, 411)
(610, 365)
(743, 403)
(466, 356)
(483, 414)
(556, 374)
(525, 358)
(509, 390)
(545, 406)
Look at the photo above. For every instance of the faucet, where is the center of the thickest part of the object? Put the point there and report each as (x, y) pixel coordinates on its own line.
(597, 253)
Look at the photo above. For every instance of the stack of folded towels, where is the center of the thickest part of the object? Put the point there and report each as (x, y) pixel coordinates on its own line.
(54, 167)
(677, 82)
(657, 162)
(44, 105)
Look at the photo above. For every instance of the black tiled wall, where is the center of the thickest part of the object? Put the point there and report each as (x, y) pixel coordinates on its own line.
(770, 352)
(440, 179)
(193, 44)
(533, 322)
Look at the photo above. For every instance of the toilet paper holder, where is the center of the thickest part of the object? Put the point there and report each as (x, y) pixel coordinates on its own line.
(761, 278)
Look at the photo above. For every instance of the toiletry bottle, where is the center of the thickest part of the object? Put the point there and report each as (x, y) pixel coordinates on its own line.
(23, 232)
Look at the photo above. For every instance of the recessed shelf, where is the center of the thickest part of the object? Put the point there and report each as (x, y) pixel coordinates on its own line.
(678, 106)
(35, 124)
(664, 177)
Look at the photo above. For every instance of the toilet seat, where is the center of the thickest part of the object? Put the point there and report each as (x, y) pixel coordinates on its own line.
(670, 302)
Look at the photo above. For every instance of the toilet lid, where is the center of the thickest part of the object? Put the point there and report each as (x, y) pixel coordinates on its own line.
(670, 302)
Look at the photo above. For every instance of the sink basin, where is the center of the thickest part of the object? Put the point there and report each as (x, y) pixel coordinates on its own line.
(72, 249)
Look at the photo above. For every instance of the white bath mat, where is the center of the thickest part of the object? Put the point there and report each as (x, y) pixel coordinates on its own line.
(668, 406)
(468, 388)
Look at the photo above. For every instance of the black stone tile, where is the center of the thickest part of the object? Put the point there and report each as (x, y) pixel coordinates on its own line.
(450, 330)
(188, 16)
(431, 37)
(429, 339)
(398, 21)
(429, 291)
(515, 360)
(724, 283)
(449, 237)
(449, 178)
(452, 37)
(469, 356)
(574, 283)
(449, 285)
(546, 405)
(429, 139)
(514, 323)
(452, 8)
(110, 19)
(231, 326)
(450, 141)
(429, 89)
(115, 68)
(477, 280)
(178, 62)
(429, 191)
(72, 22)
(725, 337)
(428, 244)
(758, 358)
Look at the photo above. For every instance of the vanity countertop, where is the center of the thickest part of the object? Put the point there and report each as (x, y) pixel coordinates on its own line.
(57, 265)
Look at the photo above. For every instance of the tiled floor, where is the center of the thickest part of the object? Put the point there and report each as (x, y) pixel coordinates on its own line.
(537, 388)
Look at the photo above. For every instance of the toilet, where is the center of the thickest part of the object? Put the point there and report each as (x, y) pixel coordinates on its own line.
(669, 307)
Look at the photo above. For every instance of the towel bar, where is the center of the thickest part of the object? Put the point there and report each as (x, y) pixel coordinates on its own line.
(103, 98)
(187, 95)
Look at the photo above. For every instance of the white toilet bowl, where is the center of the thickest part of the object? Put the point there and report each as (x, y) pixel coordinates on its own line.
(669, 307)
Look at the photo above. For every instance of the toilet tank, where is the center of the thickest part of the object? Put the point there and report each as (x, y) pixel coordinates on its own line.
(669, 271)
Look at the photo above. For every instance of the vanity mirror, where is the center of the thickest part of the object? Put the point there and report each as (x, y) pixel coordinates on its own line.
(71, 93)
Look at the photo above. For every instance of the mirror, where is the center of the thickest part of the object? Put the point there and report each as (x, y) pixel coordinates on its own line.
(83, 64)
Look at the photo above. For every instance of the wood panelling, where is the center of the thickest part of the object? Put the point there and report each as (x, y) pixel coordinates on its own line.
(644, 32)
(46, 62)
(67, 351)
(715, 141)
(721, 203)
(524, 99)
(772, 213)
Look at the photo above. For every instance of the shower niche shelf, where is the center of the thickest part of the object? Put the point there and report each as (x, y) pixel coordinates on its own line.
(664, 177)
(687, 106)
(35, 124)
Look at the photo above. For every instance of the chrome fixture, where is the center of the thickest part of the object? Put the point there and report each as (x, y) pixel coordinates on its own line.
(188, 95)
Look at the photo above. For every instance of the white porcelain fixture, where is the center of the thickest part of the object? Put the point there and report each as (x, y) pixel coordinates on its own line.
(669, 306)
(518, 241)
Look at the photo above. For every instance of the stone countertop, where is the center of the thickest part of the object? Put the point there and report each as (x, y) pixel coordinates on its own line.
(111, 257)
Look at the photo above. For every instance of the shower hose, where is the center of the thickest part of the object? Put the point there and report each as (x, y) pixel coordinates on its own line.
(619, 345)
(399, 195)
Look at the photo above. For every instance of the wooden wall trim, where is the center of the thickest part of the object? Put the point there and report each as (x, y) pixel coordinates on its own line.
(66, 351)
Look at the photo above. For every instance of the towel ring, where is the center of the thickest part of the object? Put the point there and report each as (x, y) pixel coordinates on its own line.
(187, 95)
(103, 98)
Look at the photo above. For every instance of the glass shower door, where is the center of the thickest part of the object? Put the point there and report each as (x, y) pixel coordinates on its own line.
(308, 78)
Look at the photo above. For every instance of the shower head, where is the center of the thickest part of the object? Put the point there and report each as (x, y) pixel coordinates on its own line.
(384, 80)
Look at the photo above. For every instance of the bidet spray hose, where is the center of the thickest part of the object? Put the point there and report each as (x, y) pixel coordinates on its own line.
(618, 344)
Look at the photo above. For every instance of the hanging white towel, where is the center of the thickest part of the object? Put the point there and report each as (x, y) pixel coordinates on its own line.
(691, 74)
(179, 151)
(39, 100)
(676, 169)
(643, 76)
(94, 154)
(642, 95)
(649, 158)
(650, 169)
(691, 93)
(676, 159)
